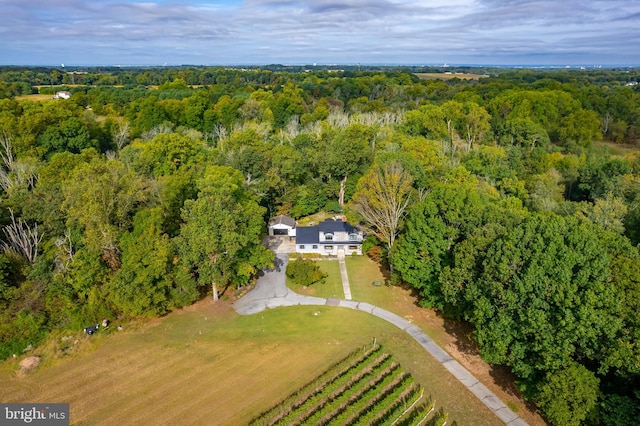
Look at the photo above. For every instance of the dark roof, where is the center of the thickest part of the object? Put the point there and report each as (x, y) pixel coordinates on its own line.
(311, 234)
(284, 220)
(307, 235)
(330, 225)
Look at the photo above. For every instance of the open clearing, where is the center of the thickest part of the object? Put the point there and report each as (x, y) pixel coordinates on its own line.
(35, 98)
(449, 76)
(208, 365)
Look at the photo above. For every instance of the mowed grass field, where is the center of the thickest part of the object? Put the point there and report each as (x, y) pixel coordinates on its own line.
(208, 365)
(332, 286)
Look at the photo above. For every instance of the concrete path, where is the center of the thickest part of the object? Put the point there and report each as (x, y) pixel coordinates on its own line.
(343, 273)
(271, 292)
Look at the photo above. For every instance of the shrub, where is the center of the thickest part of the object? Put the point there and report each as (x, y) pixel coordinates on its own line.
(305, 272)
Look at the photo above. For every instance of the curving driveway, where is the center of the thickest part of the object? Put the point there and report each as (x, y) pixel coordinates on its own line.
(271, 291)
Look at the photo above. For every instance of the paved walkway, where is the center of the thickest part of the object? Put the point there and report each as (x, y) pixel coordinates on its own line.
(271, 292)
(343, 273)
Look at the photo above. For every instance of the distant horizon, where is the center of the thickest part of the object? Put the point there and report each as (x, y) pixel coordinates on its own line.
(304, 64)
(527, 33)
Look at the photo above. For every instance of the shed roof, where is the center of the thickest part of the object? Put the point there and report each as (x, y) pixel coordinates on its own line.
(282, 220)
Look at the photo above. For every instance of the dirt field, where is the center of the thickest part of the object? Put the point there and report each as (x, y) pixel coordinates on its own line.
(208, 365)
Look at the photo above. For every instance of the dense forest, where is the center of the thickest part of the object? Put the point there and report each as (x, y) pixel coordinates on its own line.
(511, 202)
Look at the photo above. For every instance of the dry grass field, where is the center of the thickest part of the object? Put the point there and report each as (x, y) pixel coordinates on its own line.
(445, 76)
(34, 98)
(207, 365)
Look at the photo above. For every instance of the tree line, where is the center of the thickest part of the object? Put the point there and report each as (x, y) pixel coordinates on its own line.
(512, 203)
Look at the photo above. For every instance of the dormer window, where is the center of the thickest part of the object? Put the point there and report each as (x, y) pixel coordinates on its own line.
(328, 236)
(353, 237)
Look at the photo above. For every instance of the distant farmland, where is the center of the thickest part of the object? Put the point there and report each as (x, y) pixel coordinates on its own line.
(449, 76)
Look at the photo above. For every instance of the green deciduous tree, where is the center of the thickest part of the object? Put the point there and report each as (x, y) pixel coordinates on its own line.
(567, 396)
(101, 196)
(145, 284)
(537, 295)
(433, 227)
(219, 242)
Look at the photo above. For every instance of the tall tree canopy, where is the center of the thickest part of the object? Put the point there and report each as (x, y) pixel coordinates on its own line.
(219, 242)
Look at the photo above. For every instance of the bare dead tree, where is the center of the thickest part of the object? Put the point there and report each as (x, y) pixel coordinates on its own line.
(22, 239)
(6, 153)
(382, 198)
(293, 127)
(220, 134)
(338, 119)
(193, 134)
(314, 128)
(120, 133)
(65, 251)
(21, 173)
(160, 129)
(5, 180)
(604, 123)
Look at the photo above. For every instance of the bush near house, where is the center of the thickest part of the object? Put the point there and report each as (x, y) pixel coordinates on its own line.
(305, 272)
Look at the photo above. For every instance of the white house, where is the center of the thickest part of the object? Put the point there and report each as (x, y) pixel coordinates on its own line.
(329, 238)
(282, 226)
(62, 95)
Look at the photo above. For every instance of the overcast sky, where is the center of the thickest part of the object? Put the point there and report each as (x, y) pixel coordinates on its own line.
(219, 32)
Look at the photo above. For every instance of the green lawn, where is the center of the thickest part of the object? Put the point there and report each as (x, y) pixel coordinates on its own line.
(332, 287)
(208, 365)
(362, 273)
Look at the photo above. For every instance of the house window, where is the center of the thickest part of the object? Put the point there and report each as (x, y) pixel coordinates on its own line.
(328, 237)
(354, 248)
(301, 246)
(353, 237)
(328, 248)
(315, 246)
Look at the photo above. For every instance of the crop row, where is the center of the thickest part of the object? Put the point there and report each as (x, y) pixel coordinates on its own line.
(335, 389)
(367, 398)
(337, 370)
(417, 415)
(365, 388)
(395, 405)
(348, 394)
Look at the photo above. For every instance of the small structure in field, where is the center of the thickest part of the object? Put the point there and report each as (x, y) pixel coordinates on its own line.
(62, 95)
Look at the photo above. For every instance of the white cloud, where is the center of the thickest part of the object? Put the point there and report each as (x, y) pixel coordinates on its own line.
(489, 31)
